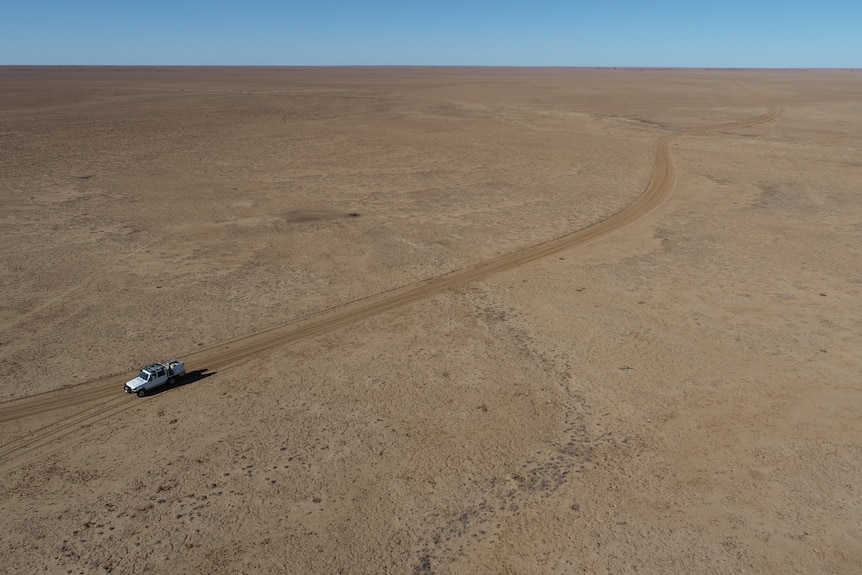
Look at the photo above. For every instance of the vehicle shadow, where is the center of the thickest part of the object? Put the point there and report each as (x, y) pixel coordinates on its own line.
(188, 378)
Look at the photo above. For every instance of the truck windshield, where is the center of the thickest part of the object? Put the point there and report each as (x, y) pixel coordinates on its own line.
(144, 375)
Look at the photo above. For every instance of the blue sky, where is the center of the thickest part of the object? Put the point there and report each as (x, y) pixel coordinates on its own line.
(692, 33)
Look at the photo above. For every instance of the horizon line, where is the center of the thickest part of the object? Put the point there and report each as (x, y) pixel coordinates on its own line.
(414, 66)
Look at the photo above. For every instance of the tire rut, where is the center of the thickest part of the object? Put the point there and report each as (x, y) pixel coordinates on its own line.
(97, 394)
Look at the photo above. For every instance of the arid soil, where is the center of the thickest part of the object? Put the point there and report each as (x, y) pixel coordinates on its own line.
(436, 320)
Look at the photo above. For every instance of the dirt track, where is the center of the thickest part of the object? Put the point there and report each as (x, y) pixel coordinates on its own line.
(680, 396)
(93, 394)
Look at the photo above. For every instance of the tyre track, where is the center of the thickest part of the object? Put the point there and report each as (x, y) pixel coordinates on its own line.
(58, 429)
(102, 396)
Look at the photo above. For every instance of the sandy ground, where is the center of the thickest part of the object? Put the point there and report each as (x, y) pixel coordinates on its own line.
(437, 321)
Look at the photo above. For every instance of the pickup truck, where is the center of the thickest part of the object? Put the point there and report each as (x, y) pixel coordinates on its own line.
(154, 375)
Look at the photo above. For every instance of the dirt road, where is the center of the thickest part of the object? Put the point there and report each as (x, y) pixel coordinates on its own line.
(99, 399)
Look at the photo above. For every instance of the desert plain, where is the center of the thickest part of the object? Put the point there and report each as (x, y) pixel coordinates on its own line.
(436, 320)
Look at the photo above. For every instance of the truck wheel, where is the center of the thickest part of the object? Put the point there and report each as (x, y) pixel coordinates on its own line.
(142, 392)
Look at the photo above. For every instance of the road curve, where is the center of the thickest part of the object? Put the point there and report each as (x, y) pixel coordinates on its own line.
(104, 392)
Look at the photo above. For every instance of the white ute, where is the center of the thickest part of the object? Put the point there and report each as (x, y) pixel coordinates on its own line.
(154, 375)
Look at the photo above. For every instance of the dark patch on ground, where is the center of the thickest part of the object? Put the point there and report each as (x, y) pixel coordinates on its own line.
(303, 216)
